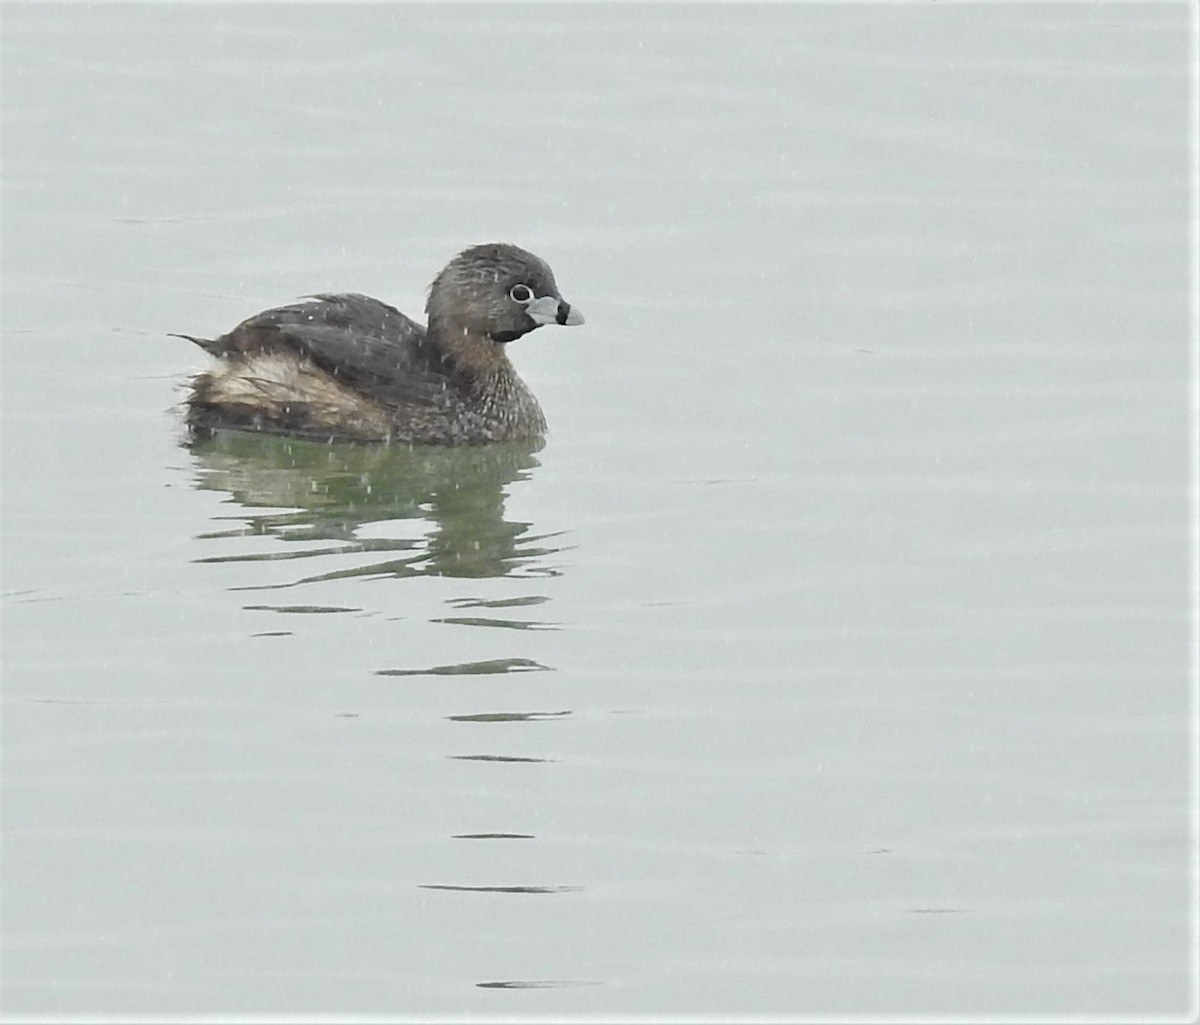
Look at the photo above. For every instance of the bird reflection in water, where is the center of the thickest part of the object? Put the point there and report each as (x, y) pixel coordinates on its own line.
(330, 492)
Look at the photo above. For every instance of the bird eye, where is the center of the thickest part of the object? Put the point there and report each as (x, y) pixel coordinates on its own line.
(520, 293)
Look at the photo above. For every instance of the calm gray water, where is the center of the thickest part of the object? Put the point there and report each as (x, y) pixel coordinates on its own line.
(832, 657)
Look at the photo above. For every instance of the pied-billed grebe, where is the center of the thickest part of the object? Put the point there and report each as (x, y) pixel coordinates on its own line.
(347, 366)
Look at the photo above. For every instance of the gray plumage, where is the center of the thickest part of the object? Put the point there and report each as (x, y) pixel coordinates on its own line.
(349, 366)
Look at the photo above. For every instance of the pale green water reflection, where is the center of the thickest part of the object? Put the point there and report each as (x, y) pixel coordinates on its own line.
(304, 491)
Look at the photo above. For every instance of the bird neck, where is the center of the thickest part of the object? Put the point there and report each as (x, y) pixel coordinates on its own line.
(473, 354)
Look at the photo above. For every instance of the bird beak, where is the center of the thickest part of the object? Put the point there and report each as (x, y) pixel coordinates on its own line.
(550, 309)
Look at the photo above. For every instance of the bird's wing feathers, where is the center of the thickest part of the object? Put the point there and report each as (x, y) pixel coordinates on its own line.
(359, 340)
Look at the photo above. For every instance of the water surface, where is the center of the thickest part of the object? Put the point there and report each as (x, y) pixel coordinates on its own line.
(830, 659)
